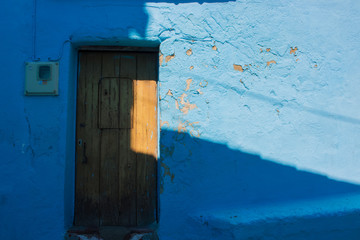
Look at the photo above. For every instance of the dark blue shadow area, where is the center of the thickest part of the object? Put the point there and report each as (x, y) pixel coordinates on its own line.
(191, 1)
(207, 174)
(122, 17)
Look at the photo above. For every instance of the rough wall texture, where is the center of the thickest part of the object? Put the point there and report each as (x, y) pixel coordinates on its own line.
(258, 106)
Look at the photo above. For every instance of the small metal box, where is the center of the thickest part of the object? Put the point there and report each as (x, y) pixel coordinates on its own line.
(42, 78)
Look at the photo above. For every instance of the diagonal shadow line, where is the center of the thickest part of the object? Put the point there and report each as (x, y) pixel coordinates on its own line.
(213, 175)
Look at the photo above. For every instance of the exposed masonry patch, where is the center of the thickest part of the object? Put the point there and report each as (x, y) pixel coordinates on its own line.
(186, 105)
(238, 67)
(190, 127)
(169, 93)
(181, 127)
(293, 50)
(162, 123)
(270, 62)
(169, 57)
(189, 52)
(188, 83)
(161, 58)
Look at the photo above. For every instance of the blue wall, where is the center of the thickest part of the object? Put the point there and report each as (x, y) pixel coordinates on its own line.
(259, 120)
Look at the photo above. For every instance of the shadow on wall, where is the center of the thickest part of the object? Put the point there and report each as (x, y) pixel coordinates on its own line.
(202, 174)
(131, 14)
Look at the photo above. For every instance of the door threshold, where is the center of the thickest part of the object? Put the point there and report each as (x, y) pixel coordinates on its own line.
(110, 233)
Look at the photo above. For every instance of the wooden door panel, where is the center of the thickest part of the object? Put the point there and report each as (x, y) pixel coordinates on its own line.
(109, 90)
(128, 163)
(116, 164)
(146, 138)
(109, 172)
(88, 139)
(109, 102)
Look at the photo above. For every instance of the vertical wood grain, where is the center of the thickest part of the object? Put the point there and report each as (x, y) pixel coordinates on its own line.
(127, 161)
(146, 138)
(87, 136)
(109, 91)
(109, 161)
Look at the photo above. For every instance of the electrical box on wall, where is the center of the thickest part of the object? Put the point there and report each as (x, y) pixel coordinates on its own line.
(42, 78)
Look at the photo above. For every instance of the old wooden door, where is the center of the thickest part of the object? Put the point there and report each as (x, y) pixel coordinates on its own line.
(116, 132)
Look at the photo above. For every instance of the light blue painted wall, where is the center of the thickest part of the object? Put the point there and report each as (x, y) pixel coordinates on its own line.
(268, 153)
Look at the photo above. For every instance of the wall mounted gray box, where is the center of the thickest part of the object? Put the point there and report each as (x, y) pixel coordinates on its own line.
(41, 78)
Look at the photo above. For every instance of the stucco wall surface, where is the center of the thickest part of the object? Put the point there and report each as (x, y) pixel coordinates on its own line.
(259, 115)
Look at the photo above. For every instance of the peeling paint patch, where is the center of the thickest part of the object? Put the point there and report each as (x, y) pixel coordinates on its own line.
(238, 67)
(270, 62)
(169, 57)
(169, 93)
(199, 91)
(187, 106)
(182, 101)
(162, 123)
(194, 133)
(191, 67)
(192, 123)
(268, 49)
(189, 52)
(293, 50)
(161, 58)
(315, 66)
(214, 48)
(188, 83)
(177, 104)
(203, 83)
(181, 127)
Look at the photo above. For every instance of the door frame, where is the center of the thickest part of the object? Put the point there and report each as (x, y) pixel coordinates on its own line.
(73, 91)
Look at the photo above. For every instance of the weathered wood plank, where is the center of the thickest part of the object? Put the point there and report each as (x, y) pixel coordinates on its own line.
(127, 74)
(127, 161)
(87, 164)
(146, 138)
(109, 171)
(109, 161)
(109, 91)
